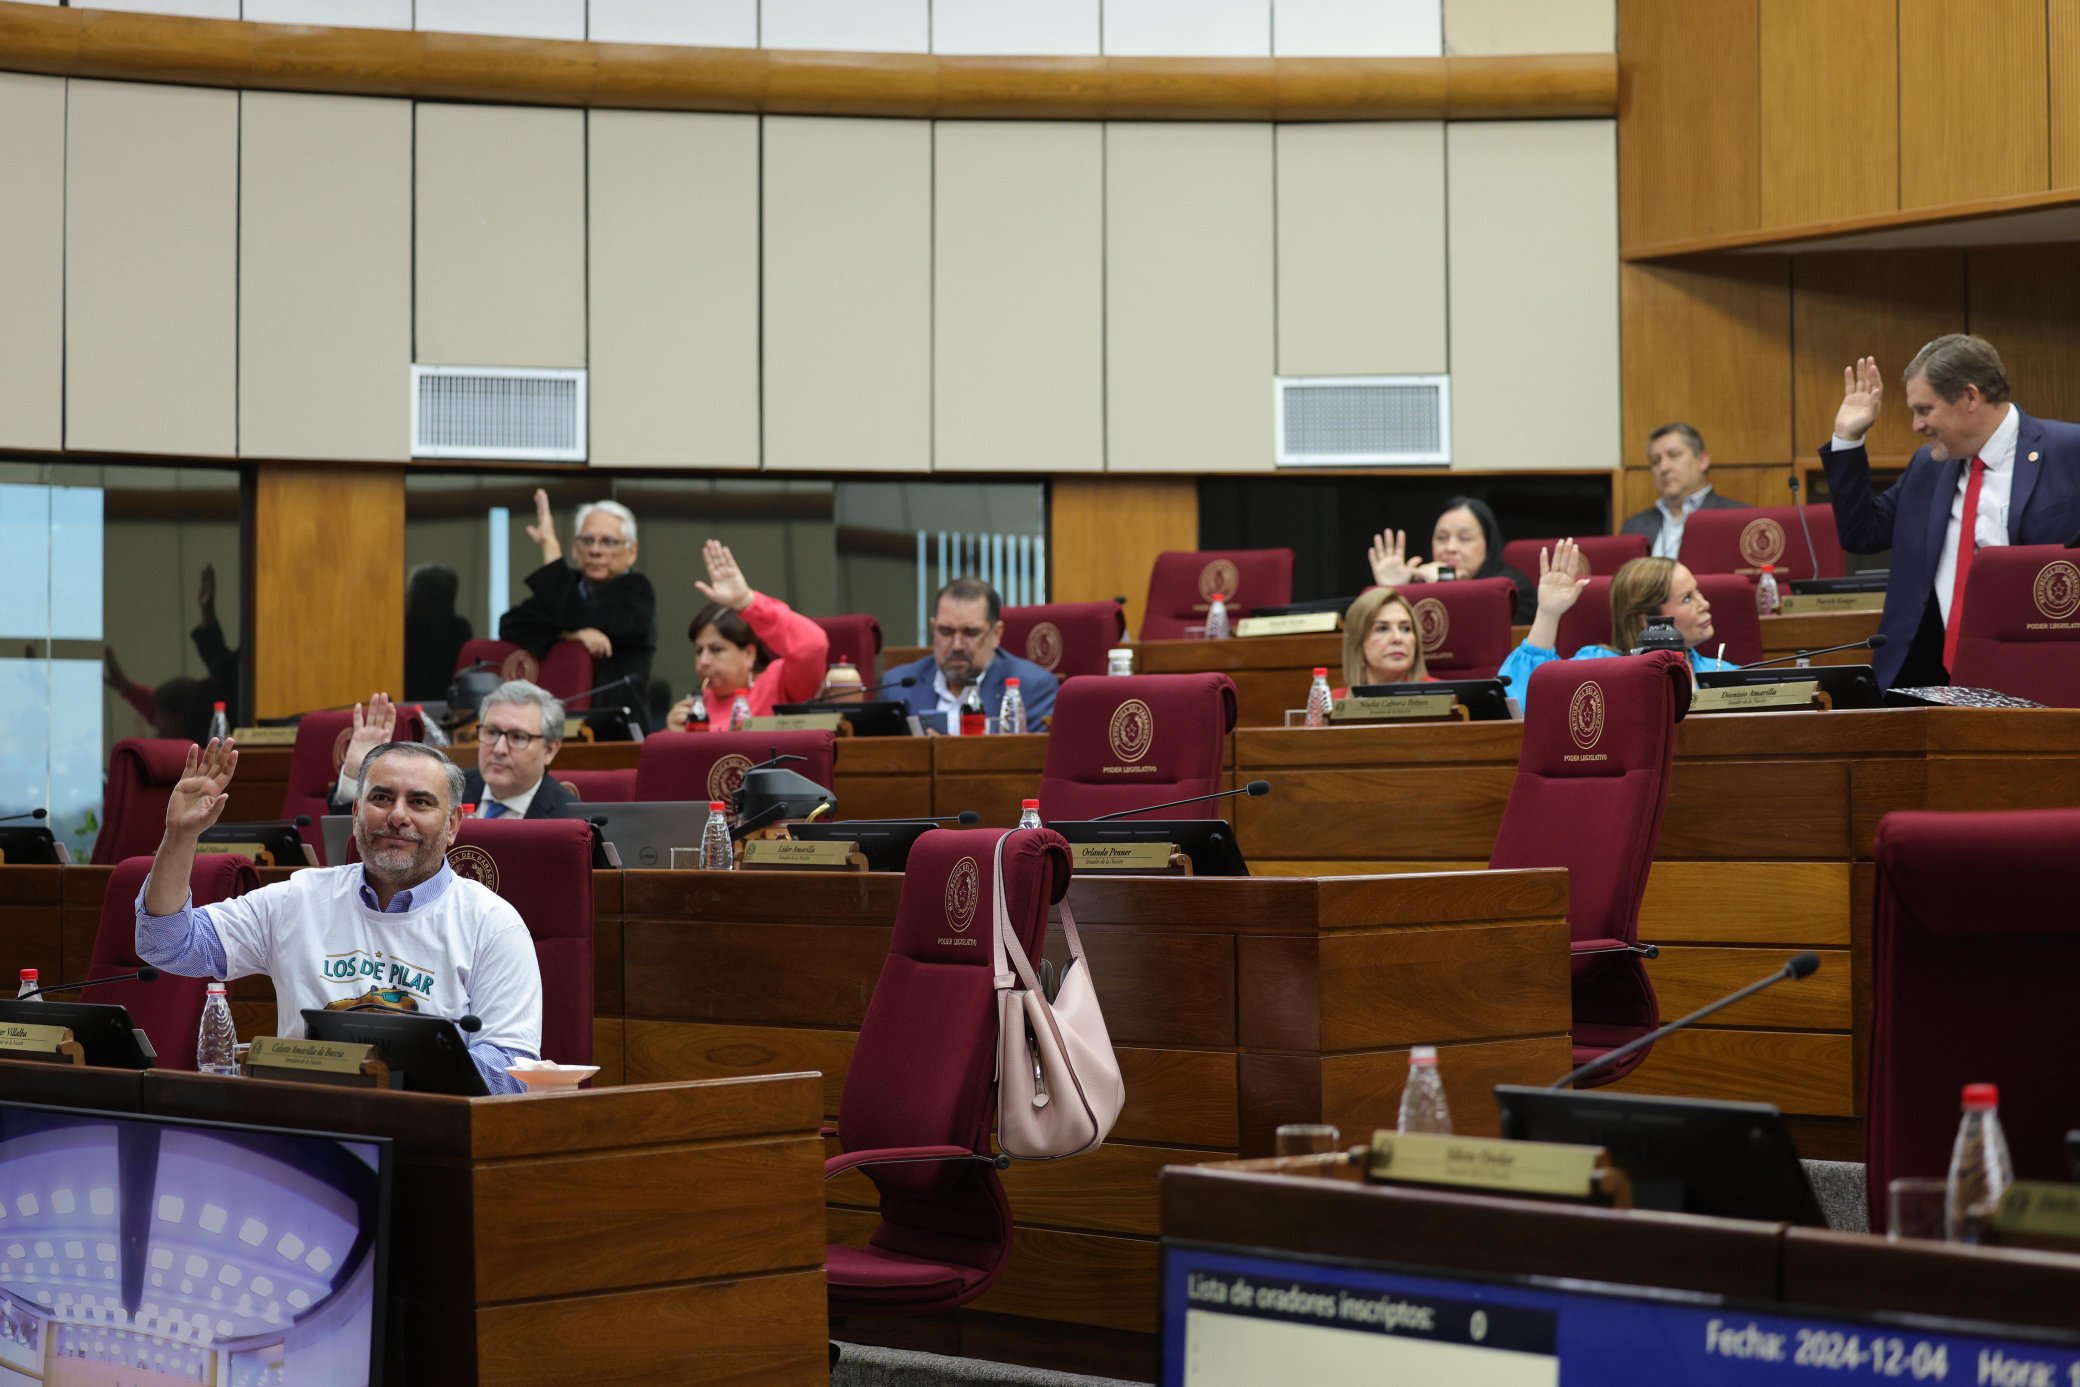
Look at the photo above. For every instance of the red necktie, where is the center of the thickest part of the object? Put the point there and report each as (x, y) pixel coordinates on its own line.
(1967, 542)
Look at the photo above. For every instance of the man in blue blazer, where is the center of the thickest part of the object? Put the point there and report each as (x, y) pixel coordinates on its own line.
(967, 627)
(2017, 476)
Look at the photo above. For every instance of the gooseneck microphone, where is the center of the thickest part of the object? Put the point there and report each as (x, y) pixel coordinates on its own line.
(1255, 789)
(906, 682)
(967, 818)
(1867, 643)
(25, 814)
(1796, 967)
(1811, 552)
(146, 974)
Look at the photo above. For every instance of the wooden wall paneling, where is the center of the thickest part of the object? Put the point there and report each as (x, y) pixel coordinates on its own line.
(2026, 301)
(325, 599)
(1806, 903)
(1805, 1072)
(1103, 535)
(1846, 306)
(1830, 110)
(1688, 164)
(884, 777)
(32, 901)
(1974, 118)
(2062, 24)
(1362, 1092)
(32, 262)
(990, 775)
(1707, 343)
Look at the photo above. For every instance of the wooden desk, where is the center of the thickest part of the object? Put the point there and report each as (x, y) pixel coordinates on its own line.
(671, 1233)
(989, 775)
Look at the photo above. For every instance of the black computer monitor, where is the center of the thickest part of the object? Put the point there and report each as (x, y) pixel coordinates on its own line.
(1870, 580)
(1683, 1155)
(105, 1033)
(281, 838)
(22, 845)
(200, 1251)
(876, 718)
(426, 1054)
(1209, 843)
(1850, 686)
(1484, 699)
(885, 844)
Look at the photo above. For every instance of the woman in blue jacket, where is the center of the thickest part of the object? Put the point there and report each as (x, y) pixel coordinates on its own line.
(1642, 588)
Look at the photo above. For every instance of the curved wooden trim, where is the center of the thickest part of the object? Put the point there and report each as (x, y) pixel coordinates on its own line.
(1813, 236)
(546, 72)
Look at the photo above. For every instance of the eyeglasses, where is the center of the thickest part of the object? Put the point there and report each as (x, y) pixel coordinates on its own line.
(518, 741)
(972, 633)
(599, 541)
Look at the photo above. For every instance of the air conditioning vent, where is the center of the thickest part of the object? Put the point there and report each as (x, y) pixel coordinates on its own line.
(1371, 421)
(497, 412)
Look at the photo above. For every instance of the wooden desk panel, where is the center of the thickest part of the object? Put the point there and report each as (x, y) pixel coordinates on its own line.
(989, 775)
(1271, 673)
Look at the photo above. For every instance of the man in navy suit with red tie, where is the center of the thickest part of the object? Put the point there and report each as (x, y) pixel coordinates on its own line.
(1988, 475)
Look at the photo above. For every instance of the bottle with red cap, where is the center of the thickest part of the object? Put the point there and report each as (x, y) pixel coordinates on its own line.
(1029, 814)
(29, 984)
(1766, 599)
(1011, 710)
(1980, 1171)
(1217, 618)
(1319, 699)
(718, 853)
(219, 723)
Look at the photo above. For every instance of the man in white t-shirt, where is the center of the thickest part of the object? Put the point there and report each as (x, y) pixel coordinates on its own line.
(397, 930)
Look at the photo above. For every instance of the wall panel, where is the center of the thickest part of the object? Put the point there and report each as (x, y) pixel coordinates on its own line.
(1529, 26)
(32, 261)
(1534, 335)
(1006, 27)
(1361, 265)
(1361, 28)
(352, 14)
(1830, 110)
(704, 23)
(848, 294)
(2026, 301)
(1973, 112)
(673, 205)
(854, 26)
(537, 19)
(1709, 344)
(500, 225)
(2062, 22)
(1846, 306)
(1189, 324)
(151, 236)
(1687, 116)
(1189, 28)
(1104, 534)
(325, 277)
(1018, 298)
(321, 649)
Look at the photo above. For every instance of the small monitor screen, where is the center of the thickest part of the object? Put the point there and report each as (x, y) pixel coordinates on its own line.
(151, 1251)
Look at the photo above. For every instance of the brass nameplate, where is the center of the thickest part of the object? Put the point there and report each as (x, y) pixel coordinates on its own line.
(797, 855)
(314, 1056)
(24, 1035)
(1514, 1167)
(1121, 857)
(1412, 708)
(2039, 1213)
(264, 736)
(1751, 698)
(1811, 603)
(1289, 624)
(257, 851)
(795, 722)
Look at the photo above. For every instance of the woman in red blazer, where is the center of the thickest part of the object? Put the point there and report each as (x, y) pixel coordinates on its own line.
(747, 642)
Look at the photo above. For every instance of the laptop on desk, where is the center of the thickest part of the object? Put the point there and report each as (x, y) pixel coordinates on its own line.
(643, 833)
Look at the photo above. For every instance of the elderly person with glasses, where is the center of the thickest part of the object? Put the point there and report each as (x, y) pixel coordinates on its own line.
(602, 603)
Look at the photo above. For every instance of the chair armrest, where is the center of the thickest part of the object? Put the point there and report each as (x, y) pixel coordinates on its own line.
(900, 1155)
(1612, 946)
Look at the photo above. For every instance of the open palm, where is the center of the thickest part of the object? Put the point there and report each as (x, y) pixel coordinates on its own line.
(726, 582)
(199, 796)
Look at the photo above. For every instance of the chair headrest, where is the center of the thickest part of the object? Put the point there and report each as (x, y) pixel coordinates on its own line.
(1980, 875)
(947, 911)
(1130, 729)
(1603, 717)
(1464, 623)
(2024, 593)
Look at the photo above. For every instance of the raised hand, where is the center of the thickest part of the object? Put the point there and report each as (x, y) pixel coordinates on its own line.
(372, 730)
(199, 796)
(1558, 587)
(726, 582)
(1391, 564)
(594, 640)
(543, 531)
(206, 595)
(112, 670)
(1863, 391)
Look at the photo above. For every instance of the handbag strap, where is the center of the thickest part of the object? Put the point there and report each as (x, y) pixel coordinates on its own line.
(1010, 959)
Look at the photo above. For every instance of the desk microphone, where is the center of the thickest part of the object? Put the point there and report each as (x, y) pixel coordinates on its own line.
(146, 974)
(1254, 790)
(967, 818)
(25, 814)
(906, 682)
(1867, 643)
(1811, 552)
(468, 1024)
(1796, 967)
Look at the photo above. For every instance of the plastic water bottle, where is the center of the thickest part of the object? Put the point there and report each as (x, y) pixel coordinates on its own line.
(219, 723)
(972, 721)
(1422, 1097)
(739, 713)
(718, 854)
(29, 984)
(216, 1044)
(1980, 1170)
(1217, 618)
(433, 734)
(1029, 814)
(1011, 713)
(1120, 661)
(1766, 602)
(1319, 700)
(698, 712)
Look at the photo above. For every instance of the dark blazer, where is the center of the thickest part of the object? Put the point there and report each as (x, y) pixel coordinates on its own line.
(549, 796)
(1912, 518)
(1035, 686)
(1649, 521)
(624, 609)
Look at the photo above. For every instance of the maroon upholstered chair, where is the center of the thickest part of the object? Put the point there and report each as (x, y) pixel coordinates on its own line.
(1465, 626)
(598, 787)
(142, 772)
(1137, 740)
(1592, 781)
(920, 1093)
(321, 744)
(1065, 638)
(1975, 946)
(1742, 541)
(169, 1010)
(1606, 553)
(1183, 582)
(565, 670)
(2022, 624)
(857, 638)
(711, 765)
(544, 868)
